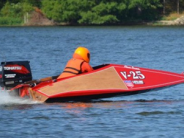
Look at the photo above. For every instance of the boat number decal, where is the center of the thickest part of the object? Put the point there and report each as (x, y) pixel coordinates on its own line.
(133, 74)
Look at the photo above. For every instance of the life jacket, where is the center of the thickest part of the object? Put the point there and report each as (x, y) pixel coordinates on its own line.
(73, 67)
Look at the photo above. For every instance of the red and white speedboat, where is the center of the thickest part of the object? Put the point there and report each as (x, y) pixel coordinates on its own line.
(105, 81)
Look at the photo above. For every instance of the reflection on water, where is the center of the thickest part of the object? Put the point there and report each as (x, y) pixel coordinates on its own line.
(102, 104)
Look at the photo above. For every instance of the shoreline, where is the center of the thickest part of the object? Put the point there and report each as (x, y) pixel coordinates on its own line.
(43, 22)
(153, 24)
(38, 19)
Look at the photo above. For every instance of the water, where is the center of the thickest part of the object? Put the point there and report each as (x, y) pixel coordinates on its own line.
(154, 114)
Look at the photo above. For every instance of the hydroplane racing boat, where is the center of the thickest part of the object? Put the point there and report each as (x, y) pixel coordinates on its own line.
(105, 81)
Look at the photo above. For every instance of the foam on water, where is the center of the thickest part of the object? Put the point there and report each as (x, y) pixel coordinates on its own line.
(6, 98)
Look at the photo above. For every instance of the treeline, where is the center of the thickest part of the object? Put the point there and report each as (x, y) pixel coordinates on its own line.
(88, 12)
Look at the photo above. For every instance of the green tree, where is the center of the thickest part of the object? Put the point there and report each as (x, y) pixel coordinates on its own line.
(65, 11)
(144, 9)
(36, 3)
(93, 11)
(53, 9)
(103, 13)
(15, 10)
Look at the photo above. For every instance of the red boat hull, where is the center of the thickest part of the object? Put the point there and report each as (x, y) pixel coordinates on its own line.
(105, 81)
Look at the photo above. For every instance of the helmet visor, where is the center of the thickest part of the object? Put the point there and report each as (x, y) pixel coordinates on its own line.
(88, 56)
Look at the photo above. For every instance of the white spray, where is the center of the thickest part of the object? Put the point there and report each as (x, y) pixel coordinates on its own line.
(6, 98)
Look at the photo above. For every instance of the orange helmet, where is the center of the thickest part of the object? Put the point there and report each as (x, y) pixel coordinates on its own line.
(84, 53)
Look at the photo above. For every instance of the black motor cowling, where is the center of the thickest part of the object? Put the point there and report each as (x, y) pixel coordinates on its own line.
(13, 73)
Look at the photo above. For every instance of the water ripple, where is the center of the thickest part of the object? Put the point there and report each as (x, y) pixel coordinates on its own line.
(155, 114)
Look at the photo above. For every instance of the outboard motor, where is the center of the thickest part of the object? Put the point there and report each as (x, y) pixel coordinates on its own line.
(13, 73)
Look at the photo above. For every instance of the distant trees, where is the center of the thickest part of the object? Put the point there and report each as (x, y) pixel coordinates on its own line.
(93, 11)
(173, 6)
(64, 11)
(13, 13)
(15, 9)
(100, 12)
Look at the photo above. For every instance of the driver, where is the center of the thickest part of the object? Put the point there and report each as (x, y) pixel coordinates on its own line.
(78, 64)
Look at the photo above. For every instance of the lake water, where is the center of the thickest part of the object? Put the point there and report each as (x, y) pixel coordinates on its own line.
(154, 114)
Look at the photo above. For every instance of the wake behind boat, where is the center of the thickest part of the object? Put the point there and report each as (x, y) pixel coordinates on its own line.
(104, 81)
